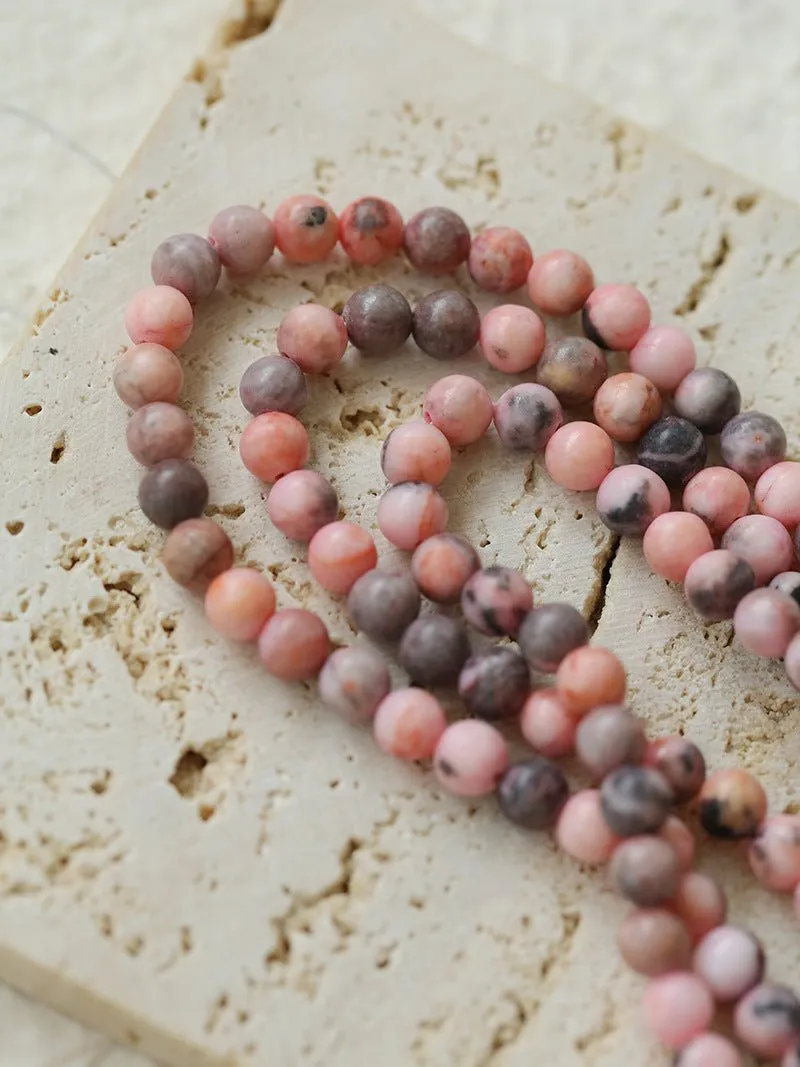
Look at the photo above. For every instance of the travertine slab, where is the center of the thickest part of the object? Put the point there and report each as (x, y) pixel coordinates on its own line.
(201, 861)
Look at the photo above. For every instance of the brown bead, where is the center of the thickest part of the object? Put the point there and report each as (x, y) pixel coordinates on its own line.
(682, 764)
(159, 431)
(436, 240)
(377, 319)
(188, 263)
(446, 324)
(626, 405)
(196, 551)
(273, 383)
(172, 492)
(653, 942)
(645, 870)
(573, 368)
(732, 804)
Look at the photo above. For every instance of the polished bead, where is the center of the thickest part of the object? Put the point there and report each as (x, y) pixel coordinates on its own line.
(560, 282)
(719, 496)
(700, 902)
(377, 319)
(582, 832)
(512, 338)
(547, 725)
(716, 582)
(708, 398)
(681, 762)
(777, 493)
(370, 230)
(774, 853)
(665, 355)
(496, 600)
(680, 838)
(608, 737)
(460, 407)
(499, 259)
(416, 452)
(494, 684)
(436, 240)
(148, 373)
(764, 542)
(306, 228)
(294, 645)
(751, 443)
(526, 416)
(645, 870)
(353, 682)
(626, 405)
(434, 649)
(273, 444)
(238, 603)
(445, 324)
(314, 337)
(673, 541)
(674, 449)
(732, 804)
(635, 800)
(710, 1050)
(765, 622)
(159, 431)
(340, 553)
(767, 1020)
(588, 677)
(411, 512)
(409, 723)
(678, 1008)
(196, 551)
(300, 503)
(616, 316)
(441, 566)
(630, 498)
(172, 492)
(572, 368)
(159, 315)
(189, 264)
(273, 383)
(788, 582)
(548, 633)
(470, 758)
(652, 941)
(532, 793)
(244, 238)
(579, 456)
(730, 961)
(383, 603)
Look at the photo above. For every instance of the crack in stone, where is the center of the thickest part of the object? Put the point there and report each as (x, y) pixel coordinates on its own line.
(709, 269)
(597, 602)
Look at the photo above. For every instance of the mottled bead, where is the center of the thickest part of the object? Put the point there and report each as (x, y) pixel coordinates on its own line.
(244, 238)
(709, 1050)
(590, 676)
(526, 416)
(730, 961)
(159, 431)
(716, 582)
(680, 838)
(314, 337)
(787, 582)
(532, 793)
(511, 338)
(494, 684)
(777, 493)
(645, 871)
(306, 228)
(774, 853)
(499, 259)
(441, 566)
(383, 603)
(433, 650)
(238, 603)
(732, 804)
(677, 1008)
(377, 319)
(301, 503)
(791, 662)
(189, 264)
(370, 230)
(616, 316)
(294, 645)
(635, 800)
(273, 383)
(410, 513)
(496, 600)
(700, 903)
(572, 368)
(665, 355)
(752, 443)
(159, 315)
(673, 541)
(767, 1020)
(681, 762)
(579, 455)
(548, 633)
(196, 551)
(719, 496)
(273, 444)
(416, 452)
(353, 682)
(560, 282)
(409, 723)
(582, 832)
(436, 240)
(607, 738)
(172, 492)
(652, 941)
(460, 407)
(547, 725)
(445, 324)
(148, 373)
(708, 398)
(629, 498)
(626, 405)
(674, 449)
(765, 621)
(470, 758)
(764, 542)
(340, 553)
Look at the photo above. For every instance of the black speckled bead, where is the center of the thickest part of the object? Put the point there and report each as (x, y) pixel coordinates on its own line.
(767, 1021)
(532, 793)
(682, 764)
(549, 633)
(446, 324)
(434, 649)
(383, 604)
(495, 600)
(716, 582)
(789, 581)
(377, 319)
(494, 684)
(752, 443)
(708, 398)
(673, 449)
(635, 800)
(273, 383)
(172, 492)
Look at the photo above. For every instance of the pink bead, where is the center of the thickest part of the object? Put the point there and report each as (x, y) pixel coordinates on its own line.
(630, 498)
(665, 355)
(791, 662)
(314, 337)
(560, 282)
(579, 455)
(676, 833)
(673, 541)
(159, 431)
(730, 961)
(460, 407)
(777, 493)
(763, 542)
(146, 374)
(409, 723)
(300, 503)
(244, 238)
(710, 1050)
(767, 1020)
(273, 444)
(416, 452)
(547, 725)
(616, 316)
(470, 758)
(581, 830)
(410, 513)
(238, 603)
(588, 677)
(719, 496)
(370, 230)
(512, 338)
(340, 553)
(626, 405)
(499, 259)
(306, 228)
(294, 645)
(765, 621)
(441, 566)
(700, 902)
(677, 1008)
(159, 315)
(774, 853)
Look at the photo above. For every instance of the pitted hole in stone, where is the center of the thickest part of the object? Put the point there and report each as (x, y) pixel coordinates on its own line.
(15, 527)
(367, 421)
(58, 449)
(33, 409)
(187, 778)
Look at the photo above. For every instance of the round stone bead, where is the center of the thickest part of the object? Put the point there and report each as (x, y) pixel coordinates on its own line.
(172, 492)
(436, 240)
(470, 758)
(494, 684)
(751, 443)
(616, 316)
(579, 455)
(410, 513)
(445, 324)
(189, 264)
(377, 319)
(238, 603)
(511, 338)
(549, 633)
(244, 238)
(607, 738)
(791, 662)
(159, 431)
(630, 498)
(460, 407)
(560, 282)
(765, 622)
(767, 1020)
(665, 355)
(294, 645)
(645, 870)
(370, 230)
(716, 582)
(777, 493)
(674, 449)
(301, 503)
(681, 762)
(588, 677)
(146, 374)
(416, 452)
(678, 1008)
(496, 600)
(582, 832)
(314, 337)
(572, 368)
(673, 541)
(159, 315)
(653, 941)
(533, 793)
(353, 682)
(409, 723)
(339, 554)
(708, 398)
(383, 604)
(441, 566)
(680, 838)
(499, 259)
(700, 903)
(526, 416)
(273, 383)
(306, 228)
(719, 496)
(787, 582)
(546, 724)
(774, 853)
(635, 800)
(273, 444)
(792, 1057)
(710, 1050)
(763, 542)
(195, 552)
(626, 405)
(434, 649)
(732, 804)
(730, 961)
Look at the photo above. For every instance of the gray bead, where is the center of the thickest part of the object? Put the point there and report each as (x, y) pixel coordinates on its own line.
(646, 871)
(434, 649)
(532, 793)
(635, 800)
(789, 581)
(383, 604)
(436, 240)
(172, 492)
(273, 383)
(573, 368)
(549, 633)
(353, 681)
(608, 737)
(494, 684)
(377, 319)
(187, 262)
(751, 443)
(446, 324)
(708, 398)
(673, 449)
(526, 416)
